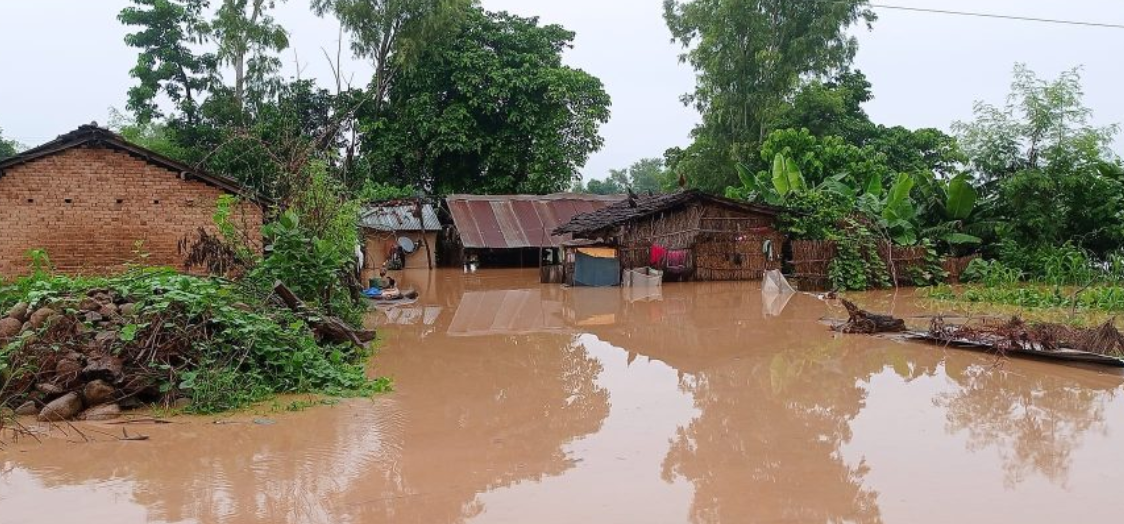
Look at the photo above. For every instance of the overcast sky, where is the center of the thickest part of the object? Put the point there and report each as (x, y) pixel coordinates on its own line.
(64, 62)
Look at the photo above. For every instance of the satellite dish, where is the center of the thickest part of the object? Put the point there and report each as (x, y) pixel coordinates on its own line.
(407, 245)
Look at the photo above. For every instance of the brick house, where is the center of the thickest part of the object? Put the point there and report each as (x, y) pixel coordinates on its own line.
(94, 201)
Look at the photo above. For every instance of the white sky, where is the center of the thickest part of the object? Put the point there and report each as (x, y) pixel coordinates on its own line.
(64, 62)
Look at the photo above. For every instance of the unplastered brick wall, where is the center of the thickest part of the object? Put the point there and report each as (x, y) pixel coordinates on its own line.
(93, 210)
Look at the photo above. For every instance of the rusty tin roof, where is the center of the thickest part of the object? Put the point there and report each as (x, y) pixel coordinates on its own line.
(519, 221)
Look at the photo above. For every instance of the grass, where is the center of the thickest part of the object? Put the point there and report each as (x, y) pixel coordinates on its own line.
(1077, 306)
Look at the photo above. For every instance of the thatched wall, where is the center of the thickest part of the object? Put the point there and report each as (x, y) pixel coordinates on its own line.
(901, 261)
(956, 266)
(725, 244)
(811, 260)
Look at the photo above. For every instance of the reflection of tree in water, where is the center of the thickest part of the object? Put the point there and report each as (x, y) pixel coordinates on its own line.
(756, 454)
(1034, 421)
(501, 410)
(775, 399)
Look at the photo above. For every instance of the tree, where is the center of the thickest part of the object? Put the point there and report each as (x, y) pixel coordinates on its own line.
(492, 109)
(831, 108)
(1044, 125)
(1048, 173)
(648, 174)
(750, 56)
(167, 64)
(645, 175)
(614, 185)
(391, 33)
(247, 37)
(8, 147)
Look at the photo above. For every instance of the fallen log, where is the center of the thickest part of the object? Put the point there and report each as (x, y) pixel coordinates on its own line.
(865, 322)
(325, 327)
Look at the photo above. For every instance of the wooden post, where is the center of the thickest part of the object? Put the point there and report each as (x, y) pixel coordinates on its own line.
(428, 252)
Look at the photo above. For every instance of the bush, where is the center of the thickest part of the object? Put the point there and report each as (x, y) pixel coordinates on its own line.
(813, 215)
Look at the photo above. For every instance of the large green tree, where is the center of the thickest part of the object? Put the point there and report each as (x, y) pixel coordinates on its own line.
(750, 57)
(391, 33)
(167, 64)
(1048, 171)
(248, 38)
(492, 109)
(1043, 125)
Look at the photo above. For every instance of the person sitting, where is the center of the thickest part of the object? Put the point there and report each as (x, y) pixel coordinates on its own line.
(390, 289)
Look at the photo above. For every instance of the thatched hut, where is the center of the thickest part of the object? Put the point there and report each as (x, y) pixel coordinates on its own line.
(690, 234)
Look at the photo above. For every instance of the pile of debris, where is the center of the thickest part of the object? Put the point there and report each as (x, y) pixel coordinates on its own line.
(1016, 334)
(74, 358)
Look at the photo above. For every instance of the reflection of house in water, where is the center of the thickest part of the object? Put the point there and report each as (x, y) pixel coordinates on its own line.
(507, 312)
(412, 316)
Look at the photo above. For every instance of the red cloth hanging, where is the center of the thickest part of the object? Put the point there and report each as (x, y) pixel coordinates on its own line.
(658, 254)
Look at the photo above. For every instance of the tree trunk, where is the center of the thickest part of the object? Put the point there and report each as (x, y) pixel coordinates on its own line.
(328, 328)
(860, 321)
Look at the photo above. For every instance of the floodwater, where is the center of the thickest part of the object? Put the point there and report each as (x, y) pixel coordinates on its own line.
(521, 403)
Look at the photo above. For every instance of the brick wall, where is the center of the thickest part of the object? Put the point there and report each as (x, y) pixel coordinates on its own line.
(88, 208)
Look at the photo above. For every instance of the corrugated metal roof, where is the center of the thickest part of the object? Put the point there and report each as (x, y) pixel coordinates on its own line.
(519, 221)
(399, 218)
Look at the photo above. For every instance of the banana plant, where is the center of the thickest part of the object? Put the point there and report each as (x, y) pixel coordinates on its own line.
(773, 187)
(899, 215)
(959, 203)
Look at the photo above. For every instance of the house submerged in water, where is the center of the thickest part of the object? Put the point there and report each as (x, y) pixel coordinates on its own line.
(689, 235)
(514, 230)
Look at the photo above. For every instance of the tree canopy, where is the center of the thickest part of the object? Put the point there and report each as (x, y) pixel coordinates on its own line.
(492, 110)
(749, 58)
(645, 175)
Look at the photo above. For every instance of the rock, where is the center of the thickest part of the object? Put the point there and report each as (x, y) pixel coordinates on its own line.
(102, 412)
(19, 312)
(66, 372)
(105, 367)
(127, 309)
(130, 403)
(62, 408)
(98, 392)
(94, 316)
(49, 389)
(27, 408)
(109, 310)
(105, 337)
(40, 316)
(89, 304)
(10, 327)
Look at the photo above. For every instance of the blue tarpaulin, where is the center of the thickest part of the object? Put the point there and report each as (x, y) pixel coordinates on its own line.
(591, 271)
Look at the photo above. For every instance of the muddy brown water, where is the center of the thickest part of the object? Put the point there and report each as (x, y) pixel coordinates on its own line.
(521, 403)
